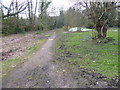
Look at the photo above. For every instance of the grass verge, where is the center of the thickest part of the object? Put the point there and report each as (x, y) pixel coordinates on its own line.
(11, 64)
(100, 58)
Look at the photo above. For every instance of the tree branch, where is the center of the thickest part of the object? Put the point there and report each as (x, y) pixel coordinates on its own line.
(12, 14)
(108, 10)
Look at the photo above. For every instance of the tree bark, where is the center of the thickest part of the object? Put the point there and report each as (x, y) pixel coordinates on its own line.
(101, 29)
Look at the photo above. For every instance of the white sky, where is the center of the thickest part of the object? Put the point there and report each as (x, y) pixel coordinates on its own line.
(62, 3)
(56, 4)
(54, 7)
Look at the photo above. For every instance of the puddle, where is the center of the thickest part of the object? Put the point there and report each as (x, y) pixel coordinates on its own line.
(50, 39)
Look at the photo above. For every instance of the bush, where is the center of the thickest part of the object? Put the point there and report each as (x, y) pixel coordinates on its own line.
(12, 26)
(66, 28)
(94, 35)
(37, 32)
(19, 30)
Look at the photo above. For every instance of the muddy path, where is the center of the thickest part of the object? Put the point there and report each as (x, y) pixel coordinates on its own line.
(44, 71)
(39, 71)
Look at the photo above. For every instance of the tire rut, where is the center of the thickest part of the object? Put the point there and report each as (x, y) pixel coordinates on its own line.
(39, 71)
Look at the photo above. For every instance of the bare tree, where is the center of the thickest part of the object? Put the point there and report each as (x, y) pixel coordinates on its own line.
(98, 13)
(13, 9)
(30, 11)
(43, 5)
(36, 4)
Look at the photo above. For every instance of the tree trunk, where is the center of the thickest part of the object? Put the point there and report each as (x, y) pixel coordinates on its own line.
(102, 33)
(30, 12)
(101, 29)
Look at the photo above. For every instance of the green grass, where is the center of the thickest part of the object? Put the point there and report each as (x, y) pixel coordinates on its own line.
(113, 35)
(100, 57)
(10, 64)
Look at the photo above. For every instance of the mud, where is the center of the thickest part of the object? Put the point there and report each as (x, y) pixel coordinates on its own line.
(45, 70)
(16, 45)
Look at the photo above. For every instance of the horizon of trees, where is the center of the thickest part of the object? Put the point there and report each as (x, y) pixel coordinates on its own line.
(75, 16)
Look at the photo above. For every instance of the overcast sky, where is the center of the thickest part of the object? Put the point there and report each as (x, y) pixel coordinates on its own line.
(60, 4)
(56, 5)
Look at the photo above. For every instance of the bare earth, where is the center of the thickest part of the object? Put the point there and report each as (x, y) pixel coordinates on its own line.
(16, 45)
(42, 71)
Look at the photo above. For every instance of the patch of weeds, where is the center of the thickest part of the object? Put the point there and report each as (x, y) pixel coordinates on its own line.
(37, 32)
(48, 35)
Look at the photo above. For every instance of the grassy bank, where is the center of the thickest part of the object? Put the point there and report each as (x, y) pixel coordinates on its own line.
(100, 58)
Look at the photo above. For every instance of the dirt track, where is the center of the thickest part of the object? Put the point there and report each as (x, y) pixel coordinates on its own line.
(43, 71)
(39, 71)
